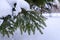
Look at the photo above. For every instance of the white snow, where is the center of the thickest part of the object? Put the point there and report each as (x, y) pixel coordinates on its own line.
(56, 2)
(51, 14)
(24, 4)
(7, 5)
(5, 9)
(1, 21)
(20, 3)
(11, 2)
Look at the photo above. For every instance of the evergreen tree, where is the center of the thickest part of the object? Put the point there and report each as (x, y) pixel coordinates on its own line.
(27, 21)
